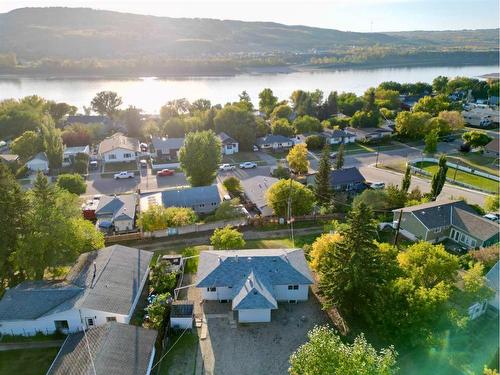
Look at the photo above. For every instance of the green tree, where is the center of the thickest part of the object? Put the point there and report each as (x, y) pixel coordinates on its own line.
(377, 200)
(315, 142)
(475, 287)
(133, 121)
(58, 110)
(326, 354)
(267, 101)
(387, 99)
(431, 141)
(227, 238)
(157, 311)
(307, 124)
(106, 103)
(321, 246)
(492, 203)
(233, 185)
(283, 127)
(454, 119)
(239, 123)
(161, 279)
(406, 181)
(476, 138)
(365, 119)
(26, 145)
(13, 207)
(349, 103)
(157, 217)
(440, 84)
(200, 157)
(439, 178)
(412, 124)
(351, 274)
(339, 162)
(245, 101)
(281, 111)
(432, 104)
(74, 183)
(53, 146)
(297, 159)
(228, 210)
(322, 189)
(280, 193)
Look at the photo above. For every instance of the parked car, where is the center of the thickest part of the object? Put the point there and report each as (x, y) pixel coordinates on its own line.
(165, 172)
(122, 175)
(143, 163)
(333, 155)
(493, 217)
(226, 167)
(94, 164)
(255, 148)
(248, 165)
(377, 185)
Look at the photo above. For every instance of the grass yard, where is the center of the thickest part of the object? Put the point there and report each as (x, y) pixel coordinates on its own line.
(27, 361)
(182, 358)
(121, 166)
(477, 161)
(240, 157)
(466, 178)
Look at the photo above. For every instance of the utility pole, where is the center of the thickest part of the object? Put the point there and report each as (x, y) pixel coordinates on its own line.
(290, 219)
(397, 228)
(376, 161)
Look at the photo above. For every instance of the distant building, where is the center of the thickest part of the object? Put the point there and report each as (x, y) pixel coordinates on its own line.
(119, 148)
(39, 163)
(337, 136)
(370, 134)
(115, 348)
(70, 154)
(9, 158)
(274, 142)
(116, 211)
(229, 145)
(343, 180)
(202, 199)
(255, 189)
(167, 148)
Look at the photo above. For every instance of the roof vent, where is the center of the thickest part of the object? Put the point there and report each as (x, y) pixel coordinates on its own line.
(220, 259)
(236, 257)
(249, 259)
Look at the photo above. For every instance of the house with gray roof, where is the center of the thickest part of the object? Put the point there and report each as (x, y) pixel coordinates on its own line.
(119, 148)
(254, 280)
(117, 211)
(70, 153)
(274, 142)
(167, 148)
(338, 136)
(38, 163)
(101, 287)
(229, 145)
(444, 219)
(115, 348)
(255, 189)
(202, 199)
(343, 180)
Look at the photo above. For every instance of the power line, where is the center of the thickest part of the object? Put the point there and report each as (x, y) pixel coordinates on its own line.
(88, 349)
(168, 351)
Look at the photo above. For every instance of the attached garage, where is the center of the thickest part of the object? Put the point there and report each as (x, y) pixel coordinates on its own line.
(254, 316)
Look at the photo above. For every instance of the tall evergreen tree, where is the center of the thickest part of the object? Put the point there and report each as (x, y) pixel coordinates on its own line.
(439, 178)
(13, 207)
(352, 272)
(406, 182)
(322, 189)
(339, 163)
(53, 144)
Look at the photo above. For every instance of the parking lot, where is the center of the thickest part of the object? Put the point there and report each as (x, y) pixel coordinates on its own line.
(256, 348)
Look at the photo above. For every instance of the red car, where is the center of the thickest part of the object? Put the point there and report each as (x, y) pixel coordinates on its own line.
(165, 172)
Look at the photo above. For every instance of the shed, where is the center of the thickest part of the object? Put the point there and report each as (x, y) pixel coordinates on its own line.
(182, 314)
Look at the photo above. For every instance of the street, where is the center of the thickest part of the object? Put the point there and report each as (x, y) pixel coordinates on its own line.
(365, 162)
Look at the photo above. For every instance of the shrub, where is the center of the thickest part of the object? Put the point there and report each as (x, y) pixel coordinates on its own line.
(74, 183)
(315, 142)
(233, 185)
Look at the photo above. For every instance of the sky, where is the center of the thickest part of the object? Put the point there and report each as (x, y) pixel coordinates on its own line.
(346, 15)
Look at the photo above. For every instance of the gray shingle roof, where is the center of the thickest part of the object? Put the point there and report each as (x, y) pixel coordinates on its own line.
(231, 267)
(187, 197)
(436, 214)
(118, 276)
(117, 207)
(116, 141)
(34, 299)
(473, 224)
(40, 156)
(226, 139)
(493, 277)
(255, 189)
(115, 349)
(166, 144)
(346, 176)
(255, 293)
(273, 138)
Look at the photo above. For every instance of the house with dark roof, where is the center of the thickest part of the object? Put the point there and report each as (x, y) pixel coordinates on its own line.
(344, 180)
(452, 220)
(117, 211)
(370, 134)
(229, 145)
(274, 142)
(101, 287)
(38, 163)
(112, 348)
(491, 149)
(202, 199)
(119, 148)
(167, 148)
(338, 136)
(255, 189)
(254, 280)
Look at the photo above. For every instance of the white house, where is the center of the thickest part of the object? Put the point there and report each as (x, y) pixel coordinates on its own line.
(118, 210)
(116, 349)
(254, 280)
(39, 162)
(369, 134)
(229, 145)
(103, 286)
(70, 153)
(274, 142)
(337, 136)
(119, 148)
(479, 308)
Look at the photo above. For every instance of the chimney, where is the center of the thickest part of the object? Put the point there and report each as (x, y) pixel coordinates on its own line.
(236, 257)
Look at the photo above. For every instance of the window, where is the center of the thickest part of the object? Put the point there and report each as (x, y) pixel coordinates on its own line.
(292, 301)
(293, 287)
(127, 156)
(111, 318)
(473, 243)
(111, 156)
(90, 322)
(436, 230)
(61, 325)
(212, 289)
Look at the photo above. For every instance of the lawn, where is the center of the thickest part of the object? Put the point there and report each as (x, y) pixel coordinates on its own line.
(121, 166)
(477, 161)
(464, 177)
(182, 357)
(27, 361)
(360, 148)
(240, 157)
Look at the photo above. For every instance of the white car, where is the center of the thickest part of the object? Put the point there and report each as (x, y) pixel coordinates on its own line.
(227, 167)
(377, 185)
(492, 217)
(122, 175)
(248, 165)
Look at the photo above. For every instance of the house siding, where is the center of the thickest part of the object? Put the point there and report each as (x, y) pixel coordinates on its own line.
(411, 224)
(492, 240)
(120, 155)
(254, 316)
(281, 293)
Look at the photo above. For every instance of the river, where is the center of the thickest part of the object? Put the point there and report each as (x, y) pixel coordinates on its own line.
(150, 93)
